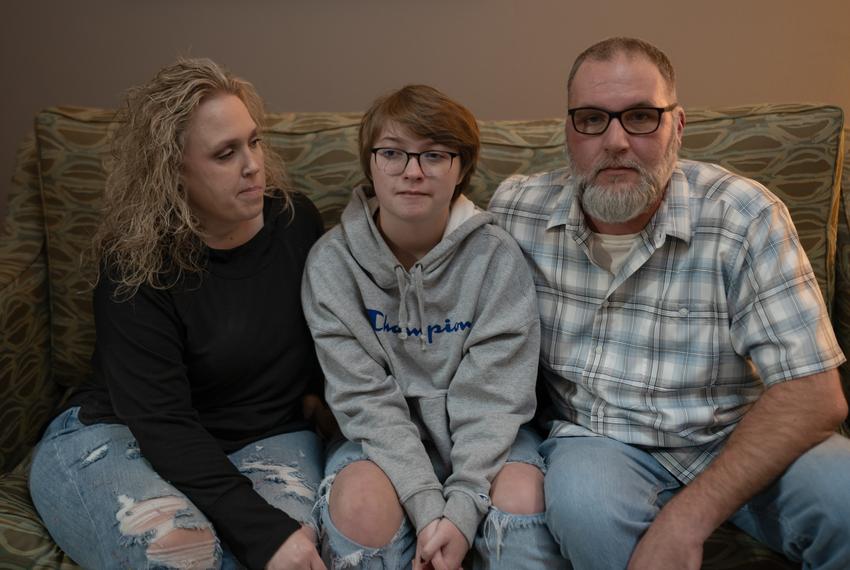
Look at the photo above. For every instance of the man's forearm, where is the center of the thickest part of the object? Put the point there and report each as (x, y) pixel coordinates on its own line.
(789, 419)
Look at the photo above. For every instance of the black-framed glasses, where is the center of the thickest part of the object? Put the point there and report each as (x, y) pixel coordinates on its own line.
(393, 161)
(635, 120)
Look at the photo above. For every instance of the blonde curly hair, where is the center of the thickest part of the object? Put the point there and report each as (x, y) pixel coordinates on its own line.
(148, 234)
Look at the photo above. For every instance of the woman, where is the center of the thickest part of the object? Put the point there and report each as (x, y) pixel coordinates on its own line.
(426, 326)
(190, 447)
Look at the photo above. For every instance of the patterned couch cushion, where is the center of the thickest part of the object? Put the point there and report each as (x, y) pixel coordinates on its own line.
(72, 145)
(27, 394)
(24, 542)
(795, 150)
(321, 157)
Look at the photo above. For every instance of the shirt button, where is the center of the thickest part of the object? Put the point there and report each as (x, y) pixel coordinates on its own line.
(605, 304)
(683, 312)
(598, 349)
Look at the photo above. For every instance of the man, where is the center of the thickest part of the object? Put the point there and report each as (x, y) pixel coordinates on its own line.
(686, 347)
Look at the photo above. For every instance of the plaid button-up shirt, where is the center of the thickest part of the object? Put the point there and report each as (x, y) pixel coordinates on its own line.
(717, 300)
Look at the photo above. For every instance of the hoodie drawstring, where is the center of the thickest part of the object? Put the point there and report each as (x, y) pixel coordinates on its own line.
(402, 305)
(419, 290)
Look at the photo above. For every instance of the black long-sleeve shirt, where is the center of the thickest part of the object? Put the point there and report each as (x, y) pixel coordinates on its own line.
(206, 367)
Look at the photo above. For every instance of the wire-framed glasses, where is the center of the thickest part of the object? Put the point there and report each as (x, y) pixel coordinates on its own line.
(393, 161)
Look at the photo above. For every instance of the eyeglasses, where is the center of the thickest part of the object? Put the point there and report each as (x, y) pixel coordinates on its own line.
(635, 121)
(393, 161)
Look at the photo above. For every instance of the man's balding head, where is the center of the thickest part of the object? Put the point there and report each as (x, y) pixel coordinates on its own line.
(610, 48)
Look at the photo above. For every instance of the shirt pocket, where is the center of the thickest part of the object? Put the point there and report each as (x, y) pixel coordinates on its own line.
(686, 348)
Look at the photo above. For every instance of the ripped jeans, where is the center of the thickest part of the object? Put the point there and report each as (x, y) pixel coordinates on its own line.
(106, 507)
(504, 541)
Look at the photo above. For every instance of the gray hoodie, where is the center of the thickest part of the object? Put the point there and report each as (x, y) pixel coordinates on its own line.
(446, 352)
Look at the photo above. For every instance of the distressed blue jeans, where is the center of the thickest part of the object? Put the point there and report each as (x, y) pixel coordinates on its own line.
(504, 541)
(601, 495)
(106, 507)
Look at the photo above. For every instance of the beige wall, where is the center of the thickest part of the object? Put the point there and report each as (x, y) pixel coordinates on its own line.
(502, 58)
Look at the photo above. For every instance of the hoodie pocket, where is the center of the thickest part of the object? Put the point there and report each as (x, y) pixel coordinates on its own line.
(431, 416)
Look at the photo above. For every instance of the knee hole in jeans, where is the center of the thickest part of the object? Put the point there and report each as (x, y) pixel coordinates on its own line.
(364, 506)
(518, 489)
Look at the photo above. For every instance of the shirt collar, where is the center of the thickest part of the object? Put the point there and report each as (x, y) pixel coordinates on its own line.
(673, 217)
(567, 211)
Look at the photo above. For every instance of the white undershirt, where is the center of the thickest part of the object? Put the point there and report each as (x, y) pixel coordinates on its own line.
(610, 252)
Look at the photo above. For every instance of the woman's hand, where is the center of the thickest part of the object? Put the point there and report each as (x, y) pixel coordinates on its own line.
(298, 552)
(318, 413)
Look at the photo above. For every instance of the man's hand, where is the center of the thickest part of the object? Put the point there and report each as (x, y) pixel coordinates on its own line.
(445, 547)
(298, 552)
(663, 547)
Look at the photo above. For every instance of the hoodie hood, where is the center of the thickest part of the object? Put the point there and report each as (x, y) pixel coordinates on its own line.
(371, 252)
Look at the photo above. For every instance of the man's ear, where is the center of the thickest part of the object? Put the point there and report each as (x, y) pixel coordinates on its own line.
(680, 122)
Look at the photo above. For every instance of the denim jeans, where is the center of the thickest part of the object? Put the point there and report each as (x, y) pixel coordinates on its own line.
(504, 540)
(601, 495)
(98, 496)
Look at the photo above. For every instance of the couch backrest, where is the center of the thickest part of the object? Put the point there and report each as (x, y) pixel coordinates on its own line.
(793, 149)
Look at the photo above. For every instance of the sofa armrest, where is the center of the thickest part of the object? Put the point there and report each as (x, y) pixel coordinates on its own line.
(27, 395)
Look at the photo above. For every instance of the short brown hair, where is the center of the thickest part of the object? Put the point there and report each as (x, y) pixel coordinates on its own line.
(427, 113)
(607, 49)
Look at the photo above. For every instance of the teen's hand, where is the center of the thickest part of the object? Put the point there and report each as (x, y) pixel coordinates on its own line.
(424, 536)
(446, 547)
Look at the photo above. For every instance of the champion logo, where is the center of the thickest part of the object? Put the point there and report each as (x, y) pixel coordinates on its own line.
(380, 323)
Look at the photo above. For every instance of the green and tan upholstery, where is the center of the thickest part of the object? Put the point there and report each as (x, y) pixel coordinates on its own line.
(45, 307)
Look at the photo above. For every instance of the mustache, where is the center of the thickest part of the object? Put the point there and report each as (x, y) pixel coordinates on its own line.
(617, 163)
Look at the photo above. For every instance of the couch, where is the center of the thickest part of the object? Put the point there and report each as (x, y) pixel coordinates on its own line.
(45, 308)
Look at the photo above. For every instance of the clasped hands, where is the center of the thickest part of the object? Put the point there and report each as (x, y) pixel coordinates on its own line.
(440, 546)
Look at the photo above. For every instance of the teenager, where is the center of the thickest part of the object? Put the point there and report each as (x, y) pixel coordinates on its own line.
(426, 326)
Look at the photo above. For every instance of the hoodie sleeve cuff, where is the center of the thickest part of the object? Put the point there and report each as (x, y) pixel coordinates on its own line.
(424, 507)
(462, 510)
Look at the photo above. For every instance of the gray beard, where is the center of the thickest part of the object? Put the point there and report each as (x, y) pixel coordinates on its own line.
(615, 205)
